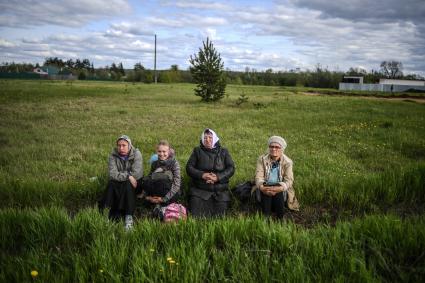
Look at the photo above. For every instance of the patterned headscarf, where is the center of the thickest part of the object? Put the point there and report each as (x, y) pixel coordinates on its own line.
(127, 139)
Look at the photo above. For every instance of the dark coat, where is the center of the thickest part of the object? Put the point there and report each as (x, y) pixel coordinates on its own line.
(216, 160)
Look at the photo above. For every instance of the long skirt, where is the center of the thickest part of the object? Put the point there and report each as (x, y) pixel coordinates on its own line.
(208, 204)
(120, 198)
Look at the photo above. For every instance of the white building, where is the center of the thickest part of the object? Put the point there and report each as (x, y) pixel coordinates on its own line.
(385, 85)
(401, 82)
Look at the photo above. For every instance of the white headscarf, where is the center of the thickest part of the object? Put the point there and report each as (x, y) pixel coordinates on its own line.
(215, 137)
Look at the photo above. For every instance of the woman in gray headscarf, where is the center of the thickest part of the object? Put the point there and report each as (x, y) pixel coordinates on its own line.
(210, 166)
(274, 178)
(125, 173)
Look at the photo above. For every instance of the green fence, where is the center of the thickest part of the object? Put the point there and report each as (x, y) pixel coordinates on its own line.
(20, 76)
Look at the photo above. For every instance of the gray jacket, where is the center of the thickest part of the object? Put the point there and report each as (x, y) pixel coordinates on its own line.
(120, 170)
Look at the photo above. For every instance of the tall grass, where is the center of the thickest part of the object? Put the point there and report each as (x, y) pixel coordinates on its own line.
(90, 248)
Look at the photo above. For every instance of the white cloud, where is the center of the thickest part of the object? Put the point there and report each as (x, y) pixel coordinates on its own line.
(186, 21)
(211, 33)
(6, 44)
(128, 29)
(143, 45)
(237, 58)
(210, 5)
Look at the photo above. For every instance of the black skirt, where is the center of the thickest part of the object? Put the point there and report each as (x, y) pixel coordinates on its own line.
(120, 198)
(204, 203)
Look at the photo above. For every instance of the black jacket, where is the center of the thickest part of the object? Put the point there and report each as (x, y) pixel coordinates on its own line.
(216, 160)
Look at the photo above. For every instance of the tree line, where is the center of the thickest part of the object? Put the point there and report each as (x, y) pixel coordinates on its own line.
(320, 76)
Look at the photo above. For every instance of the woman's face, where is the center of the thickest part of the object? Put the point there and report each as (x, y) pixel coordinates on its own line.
(122, 147)
(208, 140)
(163, 152)
(275, 150)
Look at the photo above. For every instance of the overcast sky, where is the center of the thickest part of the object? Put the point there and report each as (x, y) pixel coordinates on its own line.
(281, 35)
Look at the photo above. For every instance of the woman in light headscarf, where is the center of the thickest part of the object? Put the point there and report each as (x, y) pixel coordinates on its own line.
(274, 178)
(125, 173)
(210, 166)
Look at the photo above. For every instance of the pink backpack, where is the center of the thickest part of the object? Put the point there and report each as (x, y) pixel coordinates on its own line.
(174, 212)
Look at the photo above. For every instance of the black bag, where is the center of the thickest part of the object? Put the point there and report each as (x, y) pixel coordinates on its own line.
(258, 195)
(162, 175)
(243, 191)
(156, 187)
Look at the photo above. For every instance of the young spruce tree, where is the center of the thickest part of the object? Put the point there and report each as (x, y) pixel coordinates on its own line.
(207, 72)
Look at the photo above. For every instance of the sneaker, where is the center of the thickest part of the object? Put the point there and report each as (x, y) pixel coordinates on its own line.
(128, 222)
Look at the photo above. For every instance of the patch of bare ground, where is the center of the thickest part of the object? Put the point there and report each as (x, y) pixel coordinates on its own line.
(310, 216)
(405, 98)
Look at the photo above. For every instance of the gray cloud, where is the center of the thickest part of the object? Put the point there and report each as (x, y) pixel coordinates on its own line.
(364, 10)
(382, 29)
(339, 42)
(20, 13)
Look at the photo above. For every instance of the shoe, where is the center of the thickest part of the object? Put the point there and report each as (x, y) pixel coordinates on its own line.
(128, 222)
(157, 212)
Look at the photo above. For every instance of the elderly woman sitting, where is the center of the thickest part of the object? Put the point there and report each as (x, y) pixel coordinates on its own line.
(210, 166)
(274, 178)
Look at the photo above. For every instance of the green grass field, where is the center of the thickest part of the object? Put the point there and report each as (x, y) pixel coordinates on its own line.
(359, 167)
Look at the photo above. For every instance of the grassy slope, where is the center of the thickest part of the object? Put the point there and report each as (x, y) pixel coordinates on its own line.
(349, 153)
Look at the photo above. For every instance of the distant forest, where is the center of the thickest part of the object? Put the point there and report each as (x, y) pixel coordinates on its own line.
(319, 77)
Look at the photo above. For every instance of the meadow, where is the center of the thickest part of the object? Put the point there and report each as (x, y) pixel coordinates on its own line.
(359, 167)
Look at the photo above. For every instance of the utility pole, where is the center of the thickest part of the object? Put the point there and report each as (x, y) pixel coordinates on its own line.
(154, 65)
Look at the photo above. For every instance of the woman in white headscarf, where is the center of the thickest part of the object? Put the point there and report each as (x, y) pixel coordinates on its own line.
(210, 166)
(125, 173)
(274, 178)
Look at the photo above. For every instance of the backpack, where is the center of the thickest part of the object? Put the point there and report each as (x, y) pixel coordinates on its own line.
(243, 191)
(161, 174)
(171, 212)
